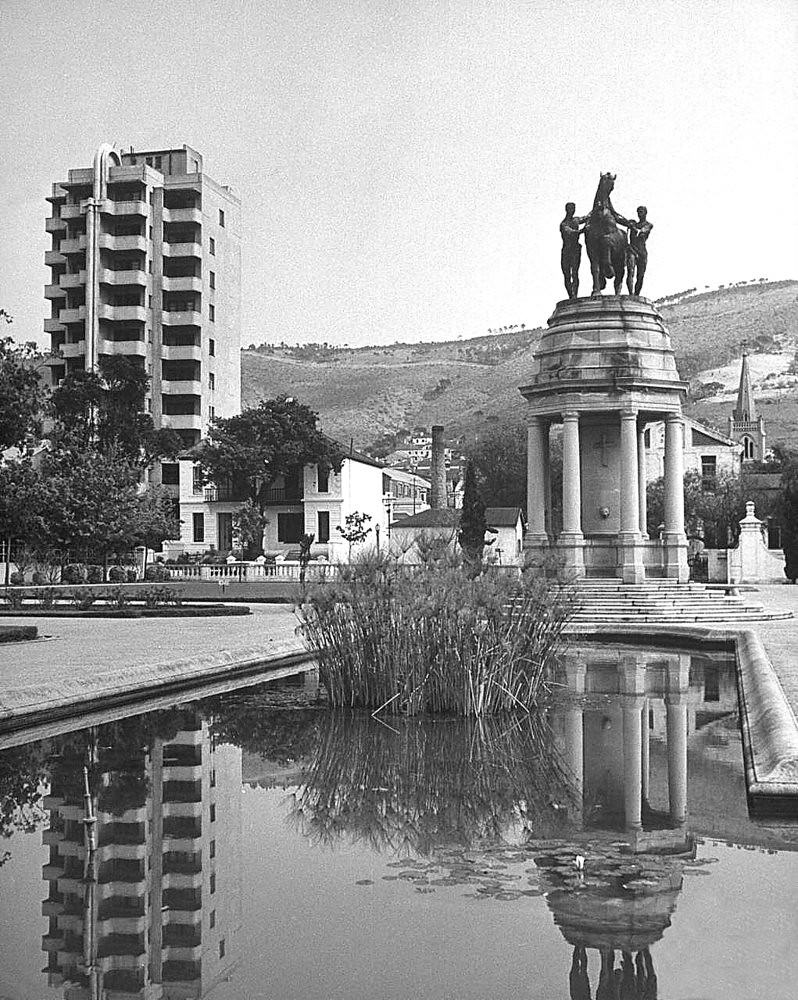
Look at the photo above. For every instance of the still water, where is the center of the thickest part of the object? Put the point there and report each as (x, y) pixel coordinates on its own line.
(256, 845)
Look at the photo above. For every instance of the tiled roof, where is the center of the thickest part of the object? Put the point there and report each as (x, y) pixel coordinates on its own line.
(502, 517)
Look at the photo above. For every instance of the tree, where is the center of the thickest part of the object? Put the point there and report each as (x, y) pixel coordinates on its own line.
(354, 530)
(713, 508)
(25, 499)
(473, 526)
(788, 514)
(499, 460)
(249, 524)
(105, 411)
(22, 392)
(274, 439)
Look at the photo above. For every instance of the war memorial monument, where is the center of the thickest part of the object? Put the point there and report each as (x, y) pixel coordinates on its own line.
(604, 369)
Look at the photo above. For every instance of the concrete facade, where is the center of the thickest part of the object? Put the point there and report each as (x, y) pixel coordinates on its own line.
(145, 262)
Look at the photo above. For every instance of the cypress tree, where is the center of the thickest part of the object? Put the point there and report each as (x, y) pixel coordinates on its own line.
(472, 521)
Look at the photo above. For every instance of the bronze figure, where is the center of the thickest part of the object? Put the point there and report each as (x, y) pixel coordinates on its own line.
(606, 244)
(571, 256)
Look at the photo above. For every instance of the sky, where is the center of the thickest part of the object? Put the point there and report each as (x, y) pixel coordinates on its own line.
(403, 165)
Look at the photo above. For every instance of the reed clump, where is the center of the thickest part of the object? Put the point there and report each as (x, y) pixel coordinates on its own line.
(434, 638)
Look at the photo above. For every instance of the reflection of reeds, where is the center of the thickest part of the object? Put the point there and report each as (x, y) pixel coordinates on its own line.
(427, 784)
(433, 639)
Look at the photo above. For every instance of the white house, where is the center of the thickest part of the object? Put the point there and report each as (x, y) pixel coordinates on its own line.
(314, 501)
(504, 537)
(706, 450)
(404, 493)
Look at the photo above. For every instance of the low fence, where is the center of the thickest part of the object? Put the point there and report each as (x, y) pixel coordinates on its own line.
(240, 572)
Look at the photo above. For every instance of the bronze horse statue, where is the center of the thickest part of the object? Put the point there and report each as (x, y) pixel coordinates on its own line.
(605, 242)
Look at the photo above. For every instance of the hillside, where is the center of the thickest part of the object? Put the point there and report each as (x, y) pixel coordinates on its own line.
(363, 392)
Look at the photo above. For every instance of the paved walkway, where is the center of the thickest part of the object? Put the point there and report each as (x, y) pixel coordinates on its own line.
(81, 661)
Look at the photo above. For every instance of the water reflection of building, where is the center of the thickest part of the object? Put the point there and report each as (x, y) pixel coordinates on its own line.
(163, 918)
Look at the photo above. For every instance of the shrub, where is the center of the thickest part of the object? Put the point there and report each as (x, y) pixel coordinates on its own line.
(94, 574)
(17, 579)
(434, 638)
(38, 578)
(117, 574)
(156, 573)
(118, 596)
(153, 597)
(83, 598)
(131, 575)
(14, 599)
(45, 597)
(73, 573)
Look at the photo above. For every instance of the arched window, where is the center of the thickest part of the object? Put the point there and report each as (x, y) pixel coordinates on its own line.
(748, 448)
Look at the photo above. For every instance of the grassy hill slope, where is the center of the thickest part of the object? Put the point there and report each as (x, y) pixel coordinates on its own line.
(363, 392)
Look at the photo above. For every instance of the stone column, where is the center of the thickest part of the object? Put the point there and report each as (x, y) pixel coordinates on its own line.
(641, 479)
(573, 729)
(633, 681)
(536, 462)
(676, 735)
(674, 539)
(630, 553)
(571, 539)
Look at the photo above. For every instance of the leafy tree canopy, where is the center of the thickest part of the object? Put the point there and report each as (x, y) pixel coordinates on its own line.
(472, 520)
(499, 460)
(22, 392)
(264, 442)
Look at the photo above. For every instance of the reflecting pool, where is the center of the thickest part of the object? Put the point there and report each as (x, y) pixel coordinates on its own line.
(256, 845)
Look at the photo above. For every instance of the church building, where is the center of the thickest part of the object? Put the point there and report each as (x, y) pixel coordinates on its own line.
(745, 424)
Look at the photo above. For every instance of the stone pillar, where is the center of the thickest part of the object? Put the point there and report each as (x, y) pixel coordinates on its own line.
(676, 735)
(633, 684)
(645, 752)
(536, 462)
(571, 539)
(641, 479)
(674, 539)
(630, 553)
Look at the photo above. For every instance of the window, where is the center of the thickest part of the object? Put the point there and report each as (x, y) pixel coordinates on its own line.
(213, 812)
(150, 232)
(199, 527)
(290, 527)
(213, 777)
(170, 474)
(748, 449)
(157, 160)
(198, 484)
(150, 301)
(212, 380)
(212, 246)
(709, 471)
(647, 437)
(221, 948)
(213, 849)
(221, 217)
(212, 279)
(212, 312)
(711, 685)
(324, 526)
(323, 479)
(212, 919)
(150, 267)
(211, 413)
(212, 347)
(213, 883)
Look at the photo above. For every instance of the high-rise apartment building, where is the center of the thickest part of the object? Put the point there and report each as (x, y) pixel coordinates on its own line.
(146, 262)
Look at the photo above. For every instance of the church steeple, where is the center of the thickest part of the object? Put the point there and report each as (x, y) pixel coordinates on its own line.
(746, 407)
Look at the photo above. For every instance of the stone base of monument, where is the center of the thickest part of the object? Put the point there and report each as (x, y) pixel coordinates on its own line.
(604, 370)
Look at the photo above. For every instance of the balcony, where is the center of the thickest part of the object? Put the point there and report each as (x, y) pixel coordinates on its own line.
(51, 872)
(52, 907)
(182, 421)
(182, 810)
(182, 829)
(133, 277)
(181, 352)
(55, 225)
(77, 315)
(175, 387)
(109, 242)
(54, 292)
(175, 866)
(71, 211)
(121, 870)
(122, 314)
(53, 326)
(183, 317)
(182, 250)
(223, 494)
(182, 215)
(182, 900)
(75, 245)
(123, 347)
(53, 257)
(76, 350)
(52, 942)
(124, 207)
(283, 495)
(73, 280)
(182, 952)
(122, 908)
(121, 944)
(183, 283)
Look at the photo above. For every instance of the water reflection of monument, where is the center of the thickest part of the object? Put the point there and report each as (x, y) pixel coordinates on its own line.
(620, 904)
(162, 918)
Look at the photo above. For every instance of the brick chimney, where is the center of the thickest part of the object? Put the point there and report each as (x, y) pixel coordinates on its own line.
(438, 498)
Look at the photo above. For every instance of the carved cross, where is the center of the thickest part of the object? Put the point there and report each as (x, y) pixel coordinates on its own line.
(603, 444)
